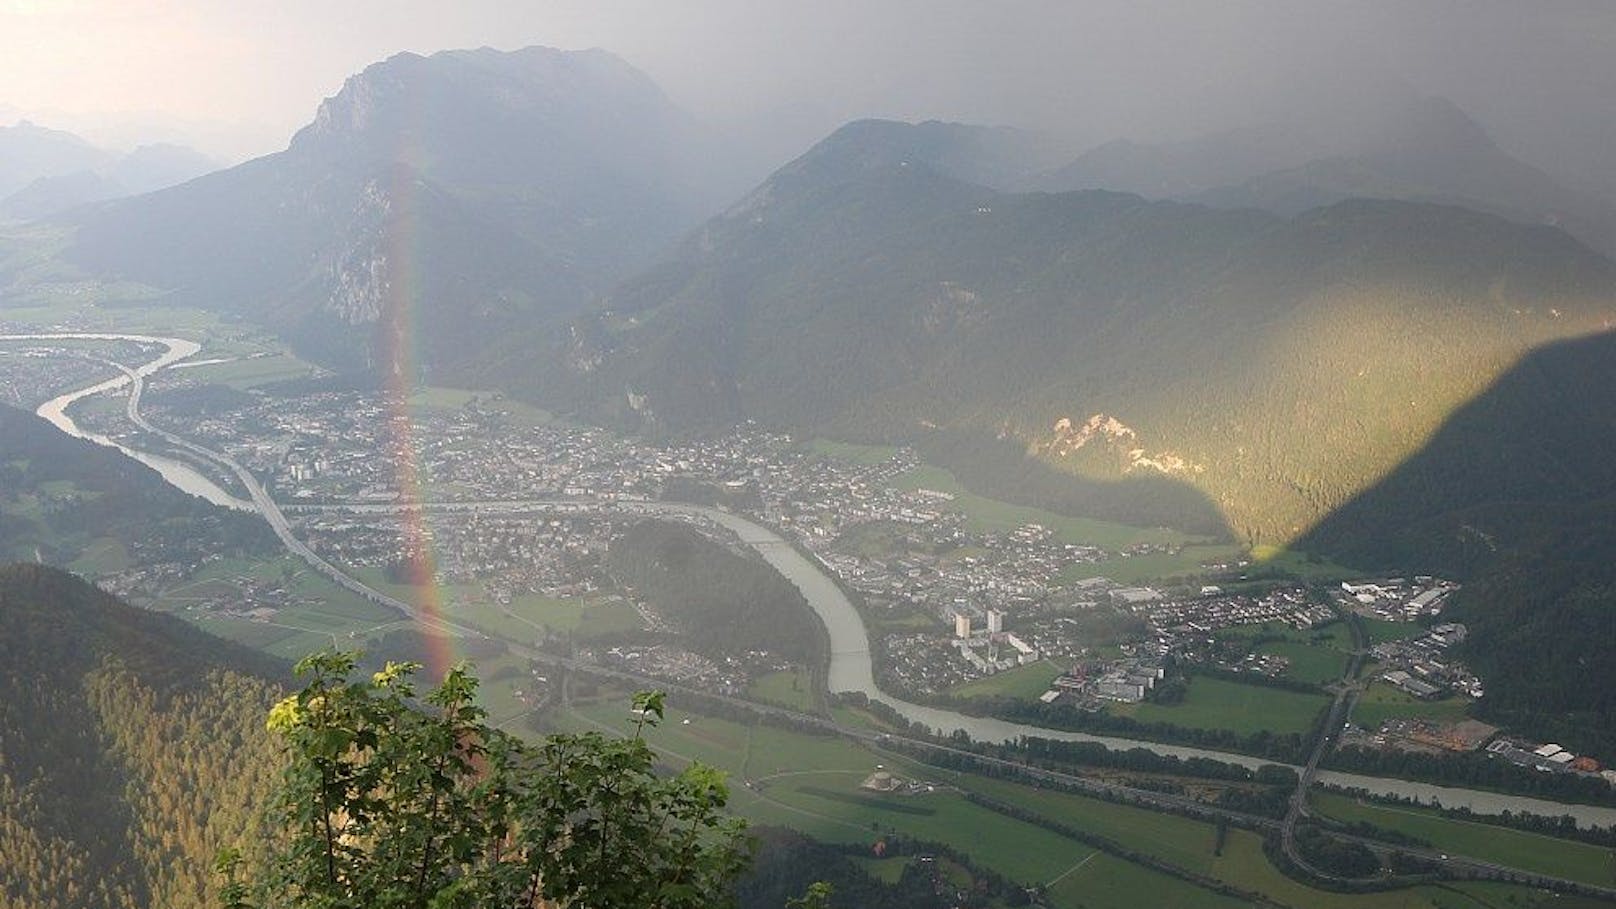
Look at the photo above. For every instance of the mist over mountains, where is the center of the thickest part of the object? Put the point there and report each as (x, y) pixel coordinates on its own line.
(1415, 148)
(496, 190)
(45, 171)
(1236, 314)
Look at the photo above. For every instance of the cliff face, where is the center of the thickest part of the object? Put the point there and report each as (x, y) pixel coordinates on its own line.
(460, 197)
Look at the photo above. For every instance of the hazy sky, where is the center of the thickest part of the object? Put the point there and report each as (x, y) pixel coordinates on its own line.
(241, 75)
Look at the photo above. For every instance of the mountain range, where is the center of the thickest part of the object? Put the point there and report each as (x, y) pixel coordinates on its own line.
(45, 172)
(1278, 365)
(1380, 341)
(1413, 148)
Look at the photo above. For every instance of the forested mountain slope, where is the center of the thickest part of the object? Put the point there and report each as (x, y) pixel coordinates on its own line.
(1278, 366)
(1516, 492)
(132, 747)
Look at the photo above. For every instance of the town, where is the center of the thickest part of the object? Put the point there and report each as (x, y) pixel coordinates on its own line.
(518, 509)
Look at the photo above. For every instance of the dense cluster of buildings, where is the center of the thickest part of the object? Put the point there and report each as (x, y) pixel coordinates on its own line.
(1547, 757)
(729, 674)
(33, 372)
(1397, 599)
(550, 552)
(1420, 666)
(1125, 681)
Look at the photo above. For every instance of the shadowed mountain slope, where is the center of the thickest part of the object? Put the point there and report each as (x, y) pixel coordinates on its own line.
(1277, 365)
(1516, 492)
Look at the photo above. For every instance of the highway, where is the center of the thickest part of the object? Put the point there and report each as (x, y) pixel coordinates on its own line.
(1455, 865)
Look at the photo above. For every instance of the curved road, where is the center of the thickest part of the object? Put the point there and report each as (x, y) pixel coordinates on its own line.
(851, 667)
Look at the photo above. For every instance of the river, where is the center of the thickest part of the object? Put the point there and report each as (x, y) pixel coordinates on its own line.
(178, 473)
(851, 666)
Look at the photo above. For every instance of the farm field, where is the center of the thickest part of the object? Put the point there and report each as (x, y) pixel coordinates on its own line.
(1213, 703)
(1545, 854)
(791, 688)
(1317, 655)
(321, 615)
(1380, 702)
(985, 514)
(810, 783)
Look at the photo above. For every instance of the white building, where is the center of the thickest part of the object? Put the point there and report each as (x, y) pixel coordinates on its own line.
(962, 625)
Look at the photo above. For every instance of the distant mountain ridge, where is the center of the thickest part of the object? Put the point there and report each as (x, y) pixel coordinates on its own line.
(1413, 149)
(1264, 361)
(449, 198)
(29, 152)
(44, 172)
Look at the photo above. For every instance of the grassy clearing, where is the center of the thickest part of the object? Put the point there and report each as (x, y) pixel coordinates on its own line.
(1544, 854)
(889, 870)
(985, 515)
(1244, 709)
(1308, 662)
(1381, 630)
(1025, 682)
(437, 398)
(790, 688)
(1317, 655)
(103, 555)
(1381, 702)
(1302, 565)
(851, 451)
(607, 617)
(251, 372)
(890, 621)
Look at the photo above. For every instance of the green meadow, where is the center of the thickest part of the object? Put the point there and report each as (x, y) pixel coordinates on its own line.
(1213, 703)
(810, 782)
(1544, 854)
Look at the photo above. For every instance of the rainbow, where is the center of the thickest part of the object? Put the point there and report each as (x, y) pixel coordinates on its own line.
(396, 344)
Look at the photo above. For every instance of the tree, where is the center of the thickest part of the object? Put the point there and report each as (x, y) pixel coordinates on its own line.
(393, 801)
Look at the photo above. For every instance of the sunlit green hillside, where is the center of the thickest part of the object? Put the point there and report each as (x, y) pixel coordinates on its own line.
(1276, 366)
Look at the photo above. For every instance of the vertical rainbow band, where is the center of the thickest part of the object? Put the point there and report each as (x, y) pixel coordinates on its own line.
(396, 341)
